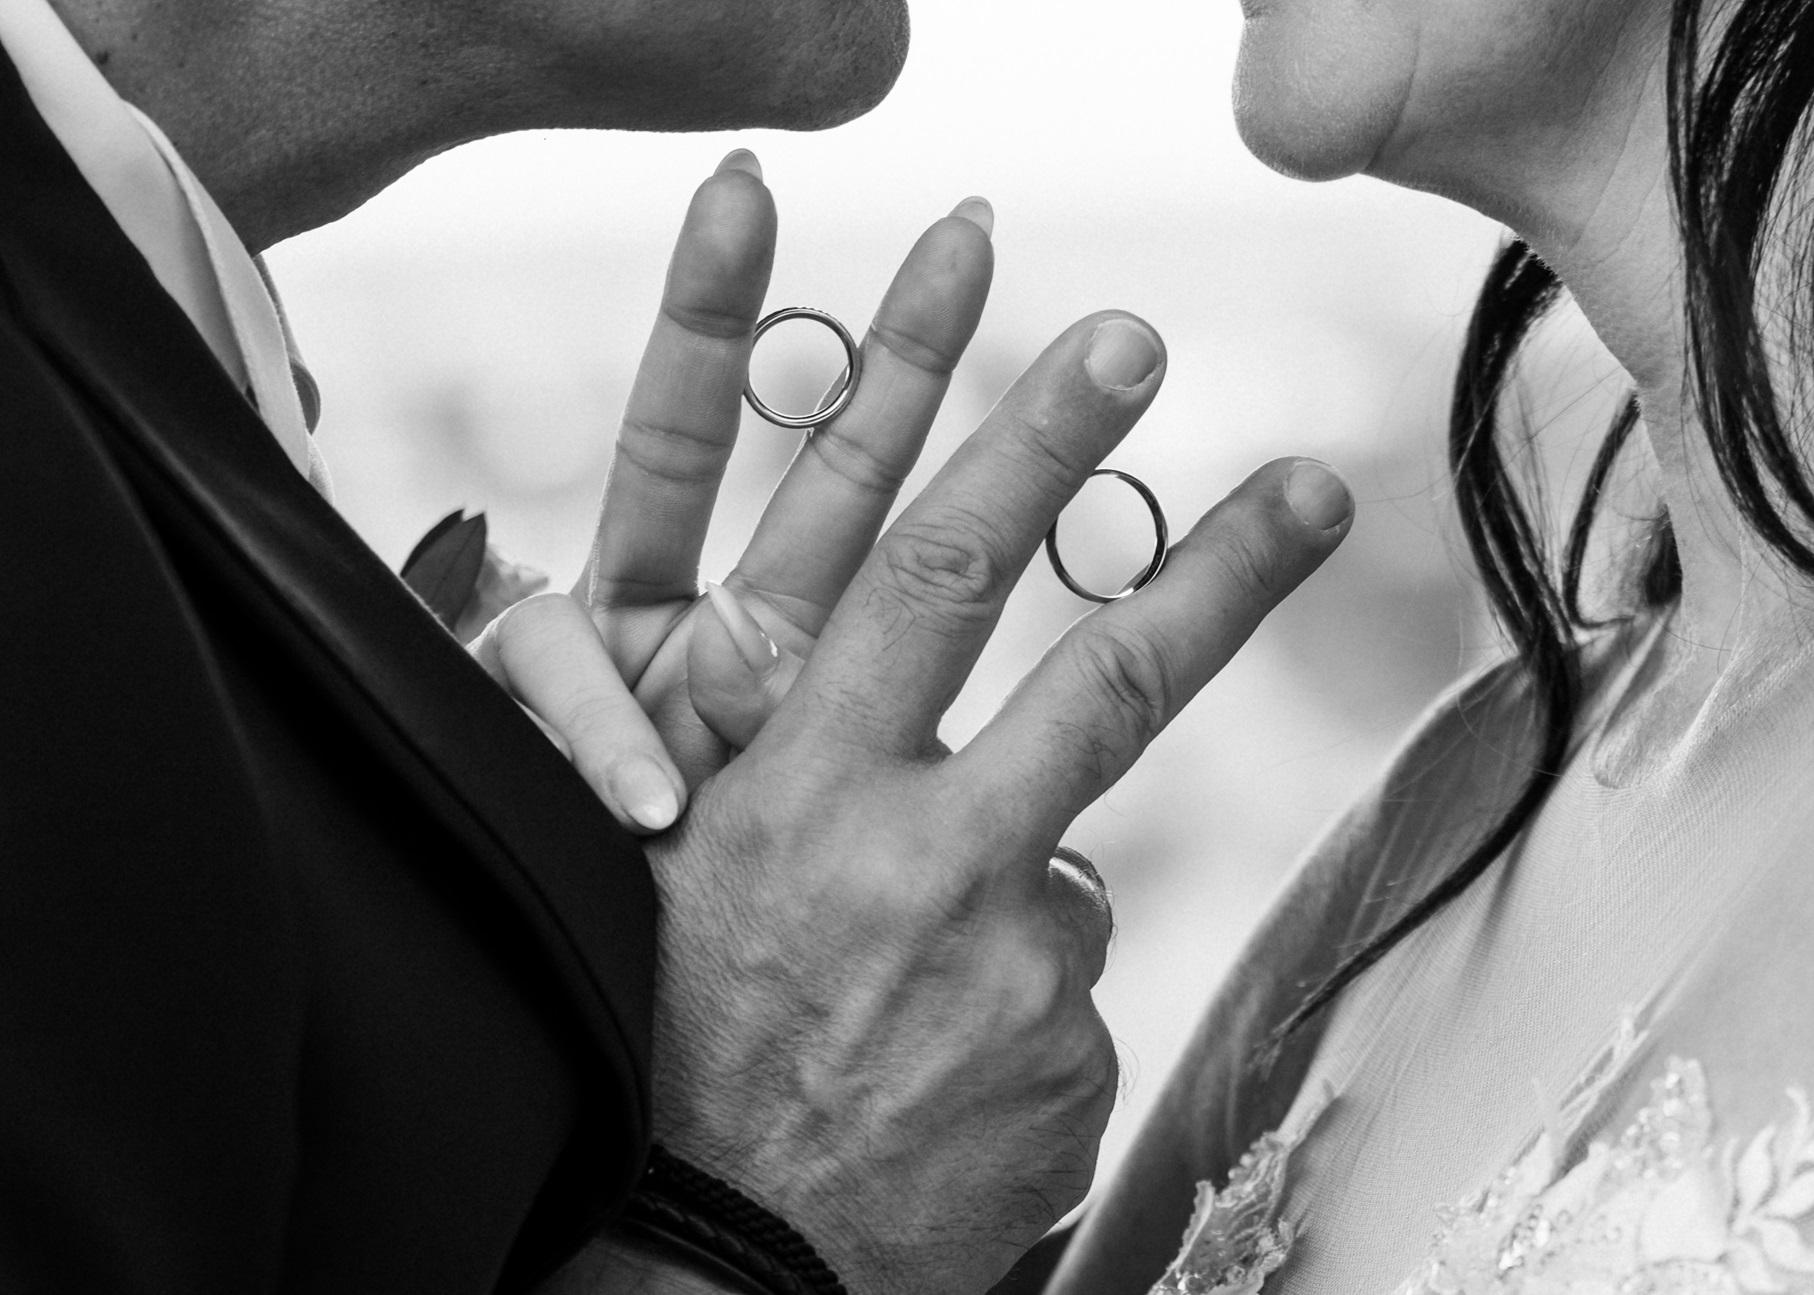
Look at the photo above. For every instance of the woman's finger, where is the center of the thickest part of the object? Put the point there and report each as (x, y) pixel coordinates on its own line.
(1122, 673)
(547, 653)
(828, 509)
(904, 638)
(736, 673)
(682, 416)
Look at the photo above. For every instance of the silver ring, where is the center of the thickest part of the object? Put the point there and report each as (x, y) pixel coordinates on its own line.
(1161, 542)
(1081, 863)
(853, 369)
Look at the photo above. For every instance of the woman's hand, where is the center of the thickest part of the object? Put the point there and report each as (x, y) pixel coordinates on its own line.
(607, 671)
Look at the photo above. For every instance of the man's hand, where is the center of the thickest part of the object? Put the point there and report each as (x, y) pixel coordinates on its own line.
(607, 671)
(873, 1008)
(873, 1001)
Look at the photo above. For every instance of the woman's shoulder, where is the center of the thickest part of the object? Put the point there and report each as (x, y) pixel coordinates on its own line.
(1442, 784)
(1457, 770)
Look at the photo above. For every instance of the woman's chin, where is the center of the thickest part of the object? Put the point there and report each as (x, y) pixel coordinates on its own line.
(1302, 154)
(1314, 118)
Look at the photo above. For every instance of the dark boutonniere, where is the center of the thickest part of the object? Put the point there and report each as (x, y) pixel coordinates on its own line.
(464, 580)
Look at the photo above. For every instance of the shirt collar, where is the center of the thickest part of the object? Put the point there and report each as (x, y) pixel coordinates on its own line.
(163, 209)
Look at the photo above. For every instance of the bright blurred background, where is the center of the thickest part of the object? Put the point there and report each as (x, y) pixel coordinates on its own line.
(475, 330)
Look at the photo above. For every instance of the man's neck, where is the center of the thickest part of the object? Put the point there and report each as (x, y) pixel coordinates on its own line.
(293, 112)
(256, 99)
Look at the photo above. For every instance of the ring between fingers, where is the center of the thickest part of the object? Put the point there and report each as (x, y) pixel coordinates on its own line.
(1085, 907)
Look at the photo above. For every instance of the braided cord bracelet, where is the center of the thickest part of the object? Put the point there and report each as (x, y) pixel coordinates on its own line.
(710, 1219)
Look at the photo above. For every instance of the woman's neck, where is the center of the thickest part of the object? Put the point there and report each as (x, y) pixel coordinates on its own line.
(1612, 238)
(1621, 259)
(1598, 208)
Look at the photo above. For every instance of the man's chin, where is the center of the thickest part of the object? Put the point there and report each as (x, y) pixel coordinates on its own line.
(853, 70)
(818, 63)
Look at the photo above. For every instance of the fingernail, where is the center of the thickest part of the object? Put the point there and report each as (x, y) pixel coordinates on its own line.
(756, 648)
(646, 792)
(740, 159)
(978, 212)
(1317, 495)
(1122, 355)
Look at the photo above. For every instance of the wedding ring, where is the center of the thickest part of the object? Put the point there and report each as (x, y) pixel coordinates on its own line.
(1084, 906)
(1080, 863)
(840, 395)
(1161, 541)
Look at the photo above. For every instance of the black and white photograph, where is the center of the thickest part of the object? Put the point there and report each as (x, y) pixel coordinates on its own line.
(907, 647)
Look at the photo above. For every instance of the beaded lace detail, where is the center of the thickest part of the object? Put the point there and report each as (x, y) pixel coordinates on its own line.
(1236, 1238)
(1665, 1209)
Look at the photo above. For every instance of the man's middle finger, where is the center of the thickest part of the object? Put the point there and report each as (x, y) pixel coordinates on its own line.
(904, 637)
(827, 510)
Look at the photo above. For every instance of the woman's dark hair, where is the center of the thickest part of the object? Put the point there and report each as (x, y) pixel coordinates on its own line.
(1738, 131)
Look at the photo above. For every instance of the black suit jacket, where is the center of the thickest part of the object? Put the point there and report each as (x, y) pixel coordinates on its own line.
(319, 969)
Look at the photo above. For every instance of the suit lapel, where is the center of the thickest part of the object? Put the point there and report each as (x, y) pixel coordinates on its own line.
(208, 469)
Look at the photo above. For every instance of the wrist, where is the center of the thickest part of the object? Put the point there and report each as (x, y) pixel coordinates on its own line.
(713, 1222)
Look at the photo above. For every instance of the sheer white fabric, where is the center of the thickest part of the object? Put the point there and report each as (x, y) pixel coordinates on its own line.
(1467, 1084)
(1665, 1209)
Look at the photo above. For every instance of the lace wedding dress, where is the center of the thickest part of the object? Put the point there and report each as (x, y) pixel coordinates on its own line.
(1588, 1075)
(1667, 1208)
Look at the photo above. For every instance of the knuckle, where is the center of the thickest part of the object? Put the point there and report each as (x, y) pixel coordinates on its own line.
(951, 565)
(1098, 1064)
(1129, 672)
(1250, 559)
(847, 458)
(671, 452)
(1077, 1056)
(918, 352)
(1020, 970)
(1076, 1053)
(1042, 452)
(705, 319)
